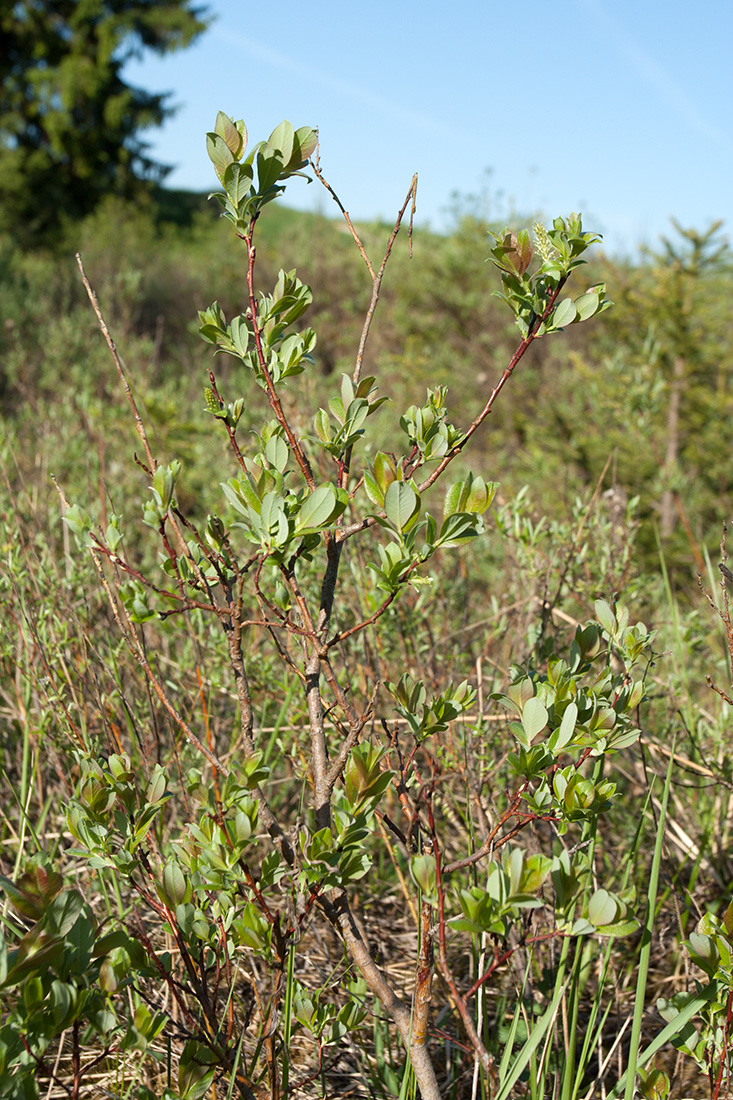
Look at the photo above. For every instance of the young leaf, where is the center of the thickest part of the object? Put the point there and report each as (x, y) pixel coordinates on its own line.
(534, 717)
(282, 138)
(564, 733)
(563, 314)
(220, 154)
(401, 504)
(605, 617)
(237, 181)
(234, 134)
(318, 509)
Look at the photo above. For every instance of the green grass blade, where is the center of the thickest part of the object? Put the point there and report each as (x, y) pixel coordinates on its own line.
(646, 941)
(665, 1036)
(538, 1033)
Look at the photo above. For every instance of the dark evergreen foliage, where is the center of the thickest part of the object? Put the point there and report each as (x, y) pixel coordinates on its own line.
(69, 123)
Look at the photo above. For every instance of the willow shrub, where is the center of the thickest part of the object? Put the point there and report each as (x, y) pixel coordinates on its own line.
(231, 860)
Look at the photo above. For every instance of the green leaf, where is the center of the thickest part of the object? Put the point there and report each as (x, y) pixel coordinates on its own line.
(586, 305)
(233, 492)
(235, 136)
(318, 509)
(269, 168)
(480, 495)
(175, 888)
(274, 520)
(534, 717)
(220, 154)
(372, 489)
(520, 733)
(563, 314)
(322, 425)
(401, 504)
(194, 1076)
(238, 181)
(62, 913)
(282, 138)
(240, 334)
(304, 143)
(157, 785)
(385, 470)
(602, 908)
(455, 499)
(564, 733)
(423, 872)
(605, 617)
(459, 528)
(277, 453)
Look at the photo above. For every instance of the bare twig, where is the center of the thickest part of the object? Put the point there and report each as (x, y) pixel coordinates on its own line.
(525, 344)
(119, 365)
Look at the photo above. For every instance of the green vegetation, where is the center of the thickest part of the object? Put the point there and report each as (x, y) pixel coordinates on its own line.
(357, 732)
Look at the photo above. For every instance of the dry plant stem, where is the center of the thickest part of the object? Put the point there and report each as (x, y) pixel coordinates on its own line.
(52, 1077)
(140, 427)
(180, 597)
(423, 978)
(132, 643)
(687, 527)
(571, 555)
(339, 914)
(726, 616)
(118, 364)
(241, 680)
(407, 892)
(50, 677)
(491, 841)
(723, 615)
(140, 934)
(135, 648)
(316, 662)
(239, 670)
(724, 1055)
(314, 702)
(217, 559)
(321, 789)
(316, 166)
(341, 758)
(526, 342)
(475, 1039)
(377, 279)
(270, 1031)
(75, 1061)
(460, 1002)
(344, 634)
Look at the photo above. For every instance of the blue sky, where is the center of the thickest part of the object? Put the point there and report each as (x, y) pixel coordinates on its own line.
(619, 109)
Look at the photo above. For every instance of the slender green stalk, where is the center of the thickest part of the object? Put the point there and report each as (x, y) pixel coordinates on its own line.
(539, 1031)
(593, 1034)
(674, 1027)
(506, 1056)
(288, 1017)
(646, 942)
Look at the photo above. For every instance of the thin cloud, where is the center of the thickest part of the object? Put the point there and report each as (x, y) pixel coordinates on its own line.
(657, 77)
(251, 46)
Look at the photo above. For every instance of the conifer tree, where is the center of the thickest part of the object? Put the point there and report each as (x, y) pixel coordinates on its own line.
(69, 123)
